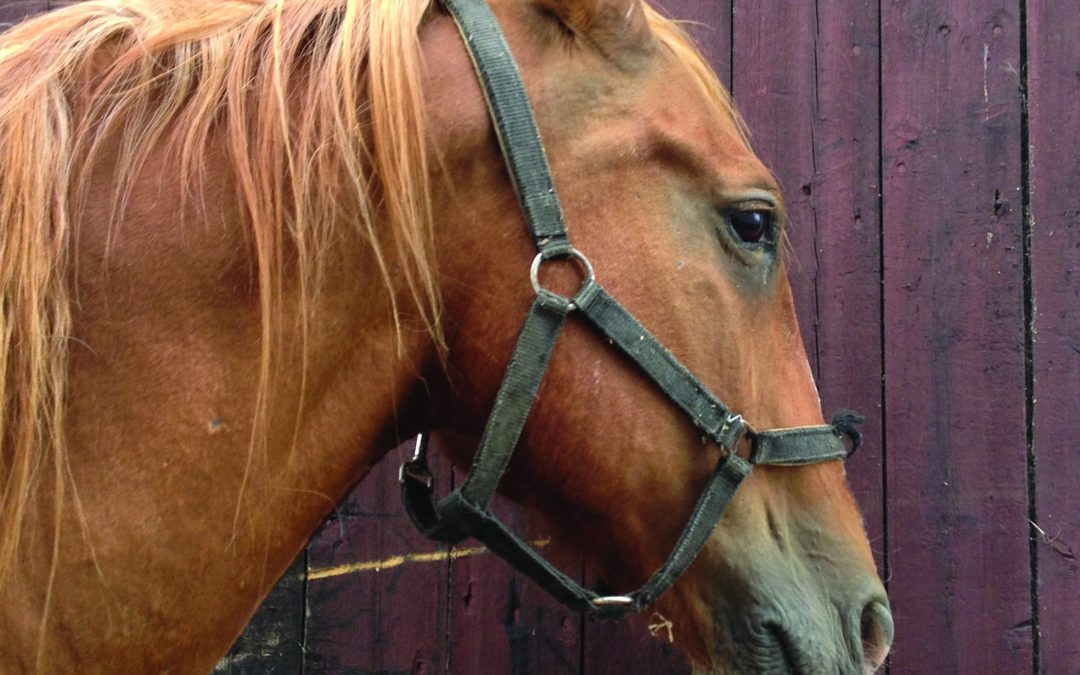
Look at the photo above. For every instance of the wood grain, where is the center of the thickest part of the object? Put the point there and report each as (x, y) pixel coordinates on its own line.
(390, 615)
(954, 340)
(1054, 98)
(846, 314)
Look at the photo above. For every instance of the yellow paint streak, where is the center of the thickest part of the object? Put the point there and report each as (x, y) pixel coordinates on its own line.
(407, 558)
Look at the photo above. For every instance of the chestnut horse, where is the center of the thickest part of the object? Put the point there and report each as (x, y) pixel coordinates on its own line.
(248, 245)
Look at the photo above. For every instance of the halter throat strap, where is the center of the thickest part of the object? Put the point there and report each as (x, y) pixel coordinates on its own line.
(466, 511)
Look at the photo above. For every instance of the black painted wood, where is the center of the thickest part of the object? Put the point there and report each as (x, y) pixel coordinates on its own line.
(274, 640)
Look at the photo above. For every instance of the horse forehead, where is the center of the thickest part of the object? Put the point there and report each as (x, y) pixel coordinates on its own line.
(656, 108)
(661, 114)
(584, 103)
(676, 115)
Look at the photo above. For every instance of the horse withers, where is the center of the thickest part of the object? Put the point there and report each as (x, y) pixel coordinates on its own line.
(248, 245)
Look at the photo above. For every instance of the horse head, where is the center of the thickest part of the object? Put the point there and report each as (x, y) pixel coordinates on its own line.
(685, 226)
(247, 246)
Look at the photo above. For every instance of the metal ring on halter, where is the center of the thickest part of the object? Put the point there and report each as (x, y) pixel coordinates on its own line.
(534, 269)
(613, 600)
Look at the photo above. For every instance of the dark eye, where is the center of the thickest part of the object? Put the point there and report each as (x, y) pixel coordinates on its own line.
(752, 227)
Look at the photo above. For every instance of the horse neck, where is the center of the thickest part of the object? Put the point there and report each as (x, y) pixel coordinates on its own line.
(163, 410)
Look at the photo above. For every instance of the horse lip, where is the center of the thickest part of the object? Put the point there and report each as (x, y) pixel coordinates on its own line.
(786, 648)
(795, 661)
(764, 647)
(769, 644)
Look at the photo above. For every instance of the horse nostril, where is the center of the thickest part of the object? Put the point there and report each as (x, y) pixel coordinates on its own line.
(877, 634)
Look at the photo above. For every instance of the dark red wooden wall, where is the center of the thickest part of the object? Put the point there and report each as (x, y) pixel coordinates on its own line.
(930, 153)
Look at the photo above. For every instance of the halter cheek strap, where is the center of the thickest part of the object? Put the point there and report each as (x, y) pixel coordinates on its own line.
(466, 511)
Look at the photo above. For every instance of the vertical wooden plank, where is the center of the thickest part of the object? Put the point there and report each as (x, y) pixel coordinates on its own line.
(615, 648)
(1054, 98)
(501, 622)
(846, 243)
(954, 343)
(377, 589)
(811, 101)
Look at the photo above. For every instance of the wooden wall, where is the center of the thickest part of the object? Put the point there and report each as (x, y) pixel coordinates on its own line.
(929, 152)
(937, 232)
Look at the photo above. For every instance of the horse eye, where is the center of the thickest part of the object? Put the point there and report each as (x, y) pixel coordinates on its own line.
(752, 226)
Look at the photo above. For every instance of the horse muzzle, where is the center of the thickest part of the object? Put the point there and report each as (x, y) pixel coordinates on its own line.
(795, 637)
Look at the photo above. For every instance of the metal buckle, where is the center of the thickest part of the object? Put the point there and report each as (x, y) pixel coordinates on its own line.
(417, 468)
(742, 428)
(730, 421)
(534, 271)
(612, 600)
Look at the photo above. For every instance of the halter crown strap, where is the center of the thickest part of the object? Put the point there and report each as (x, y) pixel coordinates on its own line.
(466, 511)
(515, 126)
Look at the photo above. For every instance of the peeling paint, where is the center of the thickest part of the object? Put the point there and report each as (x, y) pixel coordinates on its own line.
(399, 560)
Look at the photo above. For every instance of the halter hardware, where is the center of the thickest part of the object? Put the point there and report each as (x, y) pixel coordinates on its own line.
(417, 468)
(573, 253)
(466, 511)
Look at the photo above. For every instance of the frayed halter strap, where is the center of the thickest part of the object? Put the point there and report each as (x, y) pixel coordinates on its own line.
(466, 511)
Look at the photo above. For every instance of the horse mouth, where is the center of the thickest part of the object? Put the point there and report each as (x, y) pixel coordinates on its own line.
(781, 653)
(786, 650)
(766, 648)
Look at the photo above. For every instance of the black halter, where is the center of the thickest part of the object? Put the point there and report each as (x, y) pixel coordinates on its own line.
(465, 512)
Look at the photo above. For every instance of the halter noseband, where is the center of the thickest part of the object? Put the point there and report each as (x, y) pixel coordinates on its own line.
(465, 512)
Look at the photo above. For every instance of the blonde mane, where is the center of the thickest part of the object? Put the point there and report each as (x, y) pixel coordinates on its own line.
(182, 73)
(176, 73)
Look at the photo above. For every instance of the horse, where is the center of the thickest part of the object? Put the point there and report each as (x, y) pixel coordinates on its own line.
(249, 245)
